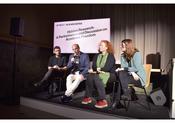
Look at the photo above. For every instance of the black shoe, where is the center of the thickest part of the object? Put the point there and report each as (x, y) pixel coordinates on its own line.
(117, 105)
(40, 83)
(66, 99)
(37, 84)
(126, 95)
(114, 105)
(132, 93)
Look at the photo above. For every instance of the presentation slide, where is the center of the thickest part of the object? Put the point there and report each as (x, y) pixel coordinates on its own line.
(86, 33)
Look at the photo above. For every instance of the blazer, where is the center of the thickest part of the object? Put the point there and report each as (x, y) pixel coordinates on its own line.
(83, 65)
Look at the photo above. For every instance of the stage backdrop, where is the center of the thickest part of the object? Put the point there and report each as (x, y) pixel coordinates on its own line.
(87, 33)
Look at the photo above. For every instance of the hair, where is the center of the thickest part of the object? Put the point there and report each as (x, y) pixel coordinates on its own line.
(77, 46)
(109, 46)
(130, 48)
(56, 47)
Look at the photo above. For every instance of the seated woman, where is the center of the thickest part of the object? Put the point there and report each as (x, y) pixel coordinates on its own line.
(132, 70)
(103, 66)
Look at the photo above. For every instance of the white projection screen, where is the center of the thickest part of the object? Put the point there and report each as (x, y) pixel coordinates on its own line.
(86, 33)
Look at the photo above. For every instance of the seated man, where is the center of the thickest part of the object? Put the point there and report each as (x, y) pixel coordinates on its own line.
(56, 66)
(78, 65)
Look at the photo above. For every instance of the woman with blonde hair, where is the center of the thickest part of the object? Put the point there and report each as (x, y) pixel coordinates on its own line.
(103, 70)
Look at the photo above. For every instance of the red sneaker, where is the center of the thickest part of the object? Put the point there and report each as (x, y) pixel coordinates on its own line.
(101, 104)
(86, 100)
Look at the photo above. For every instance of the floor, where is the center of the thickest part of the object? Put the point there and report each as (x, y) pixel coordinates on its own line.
(137, 110)
(22, 112)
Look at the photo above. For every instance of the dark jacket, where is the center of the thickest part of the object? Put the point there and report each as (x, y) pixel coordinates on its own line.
(109, 66)
(60, 61)
(83, 65)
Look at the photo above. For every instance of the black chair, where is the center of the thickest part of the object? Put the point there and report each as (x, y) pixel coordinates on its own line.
(55, 87)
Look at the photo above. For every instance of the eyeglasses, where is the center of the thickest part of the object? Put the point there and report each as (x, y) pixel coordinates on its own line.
(57, 50)
(75, 49)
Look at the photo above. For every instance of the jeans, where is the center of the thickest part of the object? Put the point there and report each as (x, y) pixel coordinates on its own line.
(94, 80)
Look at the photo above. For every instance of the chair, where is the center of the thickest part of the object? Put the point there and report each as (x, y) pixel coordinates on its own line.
(147, 68)
(148, 86)
(56, 85)
(110, 87)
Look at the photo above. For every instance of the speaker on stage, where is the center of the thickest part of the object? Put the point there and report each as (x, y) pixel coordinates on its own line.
(17, 26)
(158, 97)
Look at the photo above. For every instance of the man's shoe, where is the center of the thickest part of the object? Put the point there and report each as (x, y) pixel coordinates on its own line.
(37, 84)
(86, 100)
(66, 99)
(101, 104)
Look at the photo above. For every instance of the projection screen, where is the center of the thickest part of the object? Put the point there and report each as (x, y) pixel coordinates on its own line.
(86, 33)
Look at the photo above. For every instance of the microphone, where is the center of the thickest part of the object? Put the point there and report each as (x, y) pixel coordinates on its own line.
(76, 59)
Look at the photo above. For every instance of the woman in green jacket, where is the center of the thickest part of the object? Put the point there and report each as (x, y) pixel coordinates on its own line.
(102, 73)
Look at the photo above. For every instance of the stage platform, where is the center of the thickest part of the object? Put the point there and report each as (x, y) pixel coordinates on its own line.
(76, 110)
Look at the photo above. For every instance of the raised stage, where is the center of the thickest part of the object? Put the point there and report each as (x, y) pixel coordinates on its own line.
(76, 110)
